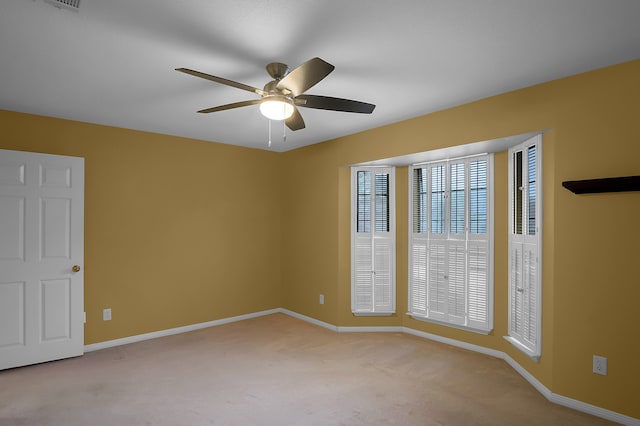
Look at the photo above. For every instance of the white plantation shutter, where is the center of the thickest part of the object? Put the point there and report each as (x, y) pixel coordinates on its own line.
(437, 286)
(418, 277)
(419, 243)
(529, 295)
(517, 293)
(525, 293)
(373, 241)
(457, 265)
(383, 274)
(362, 276)
(449, 243)
(478, 282)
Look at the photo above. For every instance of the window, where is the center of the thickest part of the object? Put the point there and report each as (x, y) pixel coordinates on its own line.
(373, 244)
(450, 244)
(525, 293)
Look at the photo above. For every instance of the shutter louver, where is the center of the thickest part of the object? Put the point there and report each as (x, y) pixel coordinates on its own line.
(382, 202)
(529, 275)
(457, 195)
(531, 190)
(363, 200)
(516, 290)
(478, 176)
(456, 307)
(524, 295)
(382, 275)
(438, 205)
(437, 292)
(419, 278)
(478, 278)
(419, 210)
(363, 268)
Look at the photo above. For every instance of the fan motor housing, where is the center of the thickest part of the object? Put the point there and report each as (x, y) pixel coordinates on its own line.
(271, 89)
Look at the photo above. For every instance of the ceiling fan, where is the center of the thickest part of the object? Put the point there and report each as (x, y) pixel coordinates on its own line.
(280, 97)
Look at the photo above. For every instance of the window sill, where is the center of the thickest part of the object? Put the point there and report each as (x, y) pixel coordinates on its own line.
(449, 324)
(533, 355)
(372, 314)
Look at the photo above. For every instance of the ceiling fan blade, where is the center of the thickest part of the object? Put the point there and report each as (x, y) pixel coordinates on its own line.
(295, 122)
(305, 76)
(222, 81)
(231, 106)
(334, 104)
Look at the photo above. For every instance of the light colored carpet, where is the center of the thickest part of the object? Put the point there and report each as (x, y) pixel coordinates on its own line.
(277, 370)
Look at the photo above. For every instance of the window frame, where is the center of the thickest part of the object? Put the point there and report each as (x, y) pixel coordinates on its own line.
(421, 246)
(383, 243)
(531, 348)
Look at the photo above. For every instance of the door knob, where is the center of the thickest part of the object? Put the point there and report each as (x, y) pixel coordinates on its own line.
(75, 268)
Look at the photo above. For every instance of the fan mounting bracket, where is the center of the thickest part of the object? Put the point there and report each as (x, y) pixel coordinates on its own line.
(277, 70)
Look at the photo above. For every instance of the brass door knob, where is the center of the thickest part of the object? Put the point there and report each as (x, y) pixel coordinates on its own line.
(75, 268)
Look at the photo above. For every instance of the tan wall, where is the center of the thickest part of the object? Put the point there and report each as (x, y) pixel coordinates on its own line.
(180, 232)
(177, 231)
(590, 276)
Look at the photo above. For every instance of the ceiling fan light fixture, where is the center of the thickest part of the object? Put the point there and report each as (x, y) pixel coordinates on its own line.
(281, 97)
(277, 107)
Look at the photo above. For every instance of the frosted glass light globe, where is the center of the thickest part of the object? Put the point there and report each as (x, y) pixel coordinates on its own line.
(280, 108)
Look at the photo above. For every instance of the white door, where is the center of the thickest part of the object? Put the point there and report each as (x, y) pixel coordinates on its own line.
(41, 257)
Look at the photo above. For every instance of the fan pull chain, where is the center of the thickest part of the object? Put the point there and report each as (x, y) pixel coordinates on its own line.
(284, 131)
(269, 133)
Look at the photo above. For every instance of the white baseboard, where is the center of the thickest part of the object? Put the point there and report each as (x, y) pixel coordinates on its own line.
(341, 329)
(594, 410)
(552, 397)
(177, 330)
(453, 342)
(308, 319)
(370, 329)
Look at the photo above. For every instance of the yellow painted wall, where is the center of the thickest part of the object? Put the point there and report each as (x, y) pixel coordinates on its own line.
(591, 283)
(177, 231)
(173, 235)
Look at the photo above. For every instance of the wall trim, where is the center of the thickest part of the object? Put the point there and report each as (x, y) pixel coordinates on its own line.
(308, 319)
(389, 329)
(177, 330)
(550, 396)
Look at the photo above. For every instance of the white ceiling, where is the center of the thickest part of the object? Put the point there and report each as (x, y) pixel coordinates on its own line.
(112, 62)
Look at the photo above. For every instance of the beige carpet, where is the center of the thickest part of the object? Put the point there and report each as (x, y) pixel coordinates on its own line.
(277, 370)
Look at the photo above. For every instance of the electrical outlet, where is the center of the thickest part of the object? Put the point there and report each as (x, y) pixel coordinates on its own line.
(322, 299)
(106, 314)
(600, 365)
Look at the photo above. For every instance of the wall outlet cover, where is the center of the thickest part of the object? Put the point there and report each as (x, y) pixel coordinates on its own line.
(600, 365)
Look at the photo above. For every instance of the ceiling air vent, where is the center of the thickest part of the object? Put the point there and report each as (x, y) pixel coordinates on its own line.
(65, 4)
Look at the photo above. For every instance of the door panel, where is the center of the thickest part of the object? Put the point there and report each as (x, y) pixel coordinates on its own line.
(12, 228)
(56, 227)
(55, 176)
(41, 239)
(11, 172)
(55, 296)
(12, 314)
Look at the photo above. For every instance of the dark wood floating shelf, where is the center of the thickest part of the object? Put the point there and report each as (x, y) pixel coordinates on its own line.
(592, 186)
